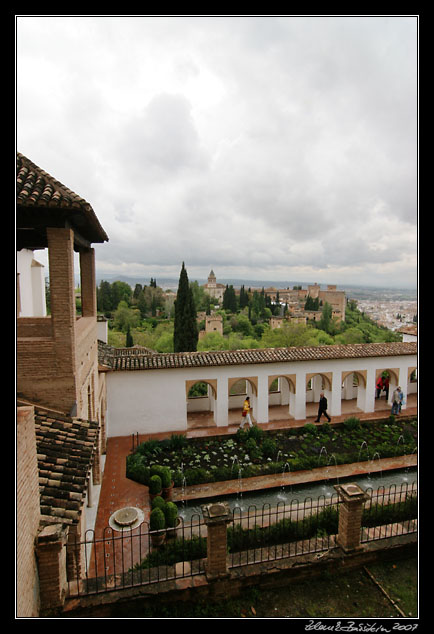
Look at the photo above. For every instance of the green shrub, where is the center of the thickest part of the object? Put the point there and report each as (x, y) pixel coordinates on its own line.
(284, 531)
(155, 485)
(174, 551)
(197, 476)
(149, 447)
(380, 514)
(251, 444)
(269, 448)
(177, 441)
(157, 521)
(164, 473)
(310, 428)
(171, 514)
(158, 502)
(136, 469)
(326, 428)
(242, 435)
(256, 433)
(352, 423)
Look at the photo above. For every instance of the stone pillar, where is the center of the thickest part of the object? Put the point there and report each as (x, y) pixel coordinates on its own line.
(88, 283)
(217, 516)
(62, 300)
(51, 555)
(350, 515)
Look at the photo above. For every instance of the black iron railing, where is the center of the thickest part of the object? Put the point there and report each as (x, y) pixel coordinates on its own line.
(389, 512)
(134, 557)
(287, 530)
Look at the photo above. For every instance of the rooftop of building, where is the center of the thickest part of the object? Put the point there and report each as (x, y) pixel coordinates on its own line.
(143, 359)
(42, 201)
(65, 448)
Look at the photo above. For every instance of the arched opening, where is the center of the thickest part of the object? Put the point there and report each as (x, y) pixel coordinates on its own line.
(383, 393)
(201, 397)
(353, 392)
(238, 389)
(315, 384)
(281, 397)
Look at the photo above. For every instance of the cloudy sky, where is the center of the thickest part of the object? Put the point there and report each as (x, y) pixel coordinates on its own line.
(263, 147)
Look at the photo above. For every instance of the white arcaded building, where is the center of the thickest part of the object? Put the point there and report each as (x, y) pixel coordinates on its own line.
(148, 393)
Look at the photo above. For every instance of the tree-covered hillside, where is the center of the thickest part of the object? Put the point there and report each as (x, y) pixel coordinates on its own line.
(147, 312)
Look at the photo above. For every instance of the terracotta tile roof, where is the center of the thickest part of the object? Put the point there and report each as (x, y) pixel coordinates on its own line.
(117, 359)
(65, 448)
(36, 190)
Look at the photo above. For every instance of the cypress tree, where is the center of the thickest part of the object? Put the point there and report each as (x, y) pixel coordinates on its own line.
(185, 335)
(129, 339)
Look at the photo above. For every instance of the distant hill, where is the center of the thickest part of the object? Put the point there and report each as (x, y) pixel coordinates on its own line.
(353, 291)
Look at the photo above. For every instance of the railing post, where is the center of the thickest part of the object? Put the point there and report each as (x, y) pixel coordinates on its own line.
(350, 515)
(217, 516)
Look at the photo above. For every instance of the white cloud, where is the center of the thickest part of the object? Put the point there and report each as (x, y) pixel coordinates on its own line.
(269, 147)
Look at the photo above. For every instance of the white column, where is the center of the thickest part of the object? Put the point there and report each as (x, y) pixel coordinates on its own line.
(261, 414)
(403, 383)
(222, 403)
(284, 391)
(300, 396)
(336, 394)
(370, 391)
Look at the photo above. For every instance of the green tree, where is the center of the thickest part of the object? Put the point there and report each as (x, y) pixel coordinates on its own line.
(137, 290)
(125, 317)
(213, 341)
(142, 304)
(230, 299)
(244, 298)
(121, 291)
(241, 323)
(129, 339)
(104, 297)
(288, 335)
(186, 333)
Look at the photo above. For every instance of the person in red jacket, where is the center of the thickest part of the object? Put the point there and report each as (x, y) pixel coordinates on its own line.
(379, 386)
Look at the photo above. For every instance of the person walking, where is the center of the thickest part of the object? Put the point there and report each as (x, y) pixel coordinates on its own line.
(379, 386)
(396, 400)
(246, 413)
(322, 408)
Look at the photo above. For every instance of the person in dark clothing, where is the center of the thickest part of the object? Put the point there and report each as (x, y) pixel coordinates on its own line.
(322, 408)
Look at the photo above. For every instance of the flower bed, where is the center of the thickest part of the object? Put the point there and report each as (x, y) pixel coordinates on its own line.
(256, 452)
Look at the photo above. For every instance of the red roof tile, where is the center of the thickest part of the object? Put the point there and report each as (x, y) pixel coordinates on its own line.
(117, 359)
(37, 190)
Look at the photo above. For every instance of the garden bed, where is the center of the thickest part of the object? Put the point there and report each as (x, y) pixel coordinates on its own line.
(258, 452)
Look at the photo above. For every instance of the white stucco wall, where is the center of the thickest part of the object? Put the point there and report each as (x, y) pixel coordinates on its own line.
(151, 401)
(31, 285)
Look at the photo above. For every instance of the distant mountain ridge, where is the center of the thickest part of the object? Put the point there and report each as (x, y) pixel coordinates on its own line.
(352, 291)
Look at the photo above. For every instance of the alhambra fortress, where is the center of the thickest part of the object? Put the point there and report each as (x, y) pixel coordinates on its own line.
(293, 299)
(75, 392)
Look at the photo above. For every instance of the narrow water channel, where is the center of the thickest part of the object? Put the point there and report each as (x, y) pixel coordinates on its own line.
(287, 494)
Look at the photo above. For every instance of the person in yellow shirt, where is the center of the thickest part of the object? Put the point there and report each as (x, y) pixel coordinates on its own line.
(246, 414)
